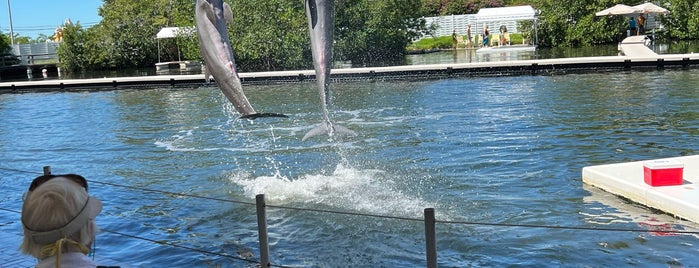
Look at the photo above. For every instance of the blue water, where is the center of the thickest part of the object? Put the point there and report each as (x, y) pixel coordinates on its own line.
(489, 150)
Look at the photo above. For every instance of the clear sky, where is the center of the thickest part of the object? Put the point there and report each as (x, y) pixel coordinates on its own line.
(34, 17)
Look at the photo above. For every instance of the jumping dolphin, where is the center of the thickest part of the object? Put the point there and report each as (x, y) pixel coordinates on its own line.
(320, 26)
(211, 17)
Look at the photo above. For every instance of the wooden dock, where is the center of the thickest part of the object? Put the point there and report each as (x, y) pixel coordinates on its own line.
(406, 72)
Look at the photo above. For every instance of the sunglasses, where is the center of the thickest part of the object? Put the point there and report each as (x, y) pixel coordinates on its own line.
(44, 178)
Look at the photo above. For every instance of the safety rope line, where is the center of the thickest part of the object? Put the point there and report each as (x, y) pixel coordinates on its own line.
(365, 214)
(177, 245)
(224, 255)
(569, 227)
(346, 213)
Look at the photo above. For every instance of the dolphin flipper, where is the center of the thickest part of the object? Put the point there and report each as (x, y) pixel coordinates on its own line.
(260, 115)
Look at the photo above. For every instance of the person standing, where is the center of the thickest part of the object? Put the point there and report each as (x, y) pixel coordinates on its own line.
(468, 35)
(454, 39)
(486, 33)
(641, 21)
(632, 26)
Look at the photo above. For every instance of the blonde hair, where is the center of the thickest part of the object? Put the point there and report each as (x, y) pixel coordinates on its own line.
(58, 204)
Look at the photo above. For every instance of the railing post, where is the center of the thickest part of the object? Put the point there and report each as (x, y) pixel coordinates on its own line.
(47, 170)
(262, 230)
(430, 238)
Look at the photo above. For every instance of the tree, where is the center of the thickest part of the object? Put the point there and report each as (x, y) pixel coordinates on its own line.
(6, 57)
(573, 23)
(270, 35)
(376, 32)
(449, 7)
(683, 20)
(72, 52)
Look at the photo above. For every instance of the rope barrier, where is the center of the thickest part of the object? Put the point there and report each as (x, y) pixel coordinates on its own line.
(178, 246)
(580, 228)
(370, 215)
(171, 244)
(650, 230)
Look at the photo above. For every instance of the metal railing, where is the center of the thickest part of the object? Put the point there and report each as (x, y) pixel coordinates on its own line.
(37, 53)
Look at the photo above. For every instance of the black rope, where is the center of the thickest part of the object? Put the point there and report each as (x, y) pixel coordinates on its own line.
(20, 171)
(346, 213)
(568, 227)
(372, 215)
(179, 246)
(172, 193)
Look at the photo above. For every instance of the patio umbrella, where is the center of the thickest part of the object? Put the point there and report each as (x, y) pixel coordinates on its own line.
(619, 9)
(650, 8)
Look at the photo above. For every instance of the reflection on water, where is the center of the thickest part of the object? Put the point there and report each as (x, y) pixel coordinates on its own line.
(493, 150)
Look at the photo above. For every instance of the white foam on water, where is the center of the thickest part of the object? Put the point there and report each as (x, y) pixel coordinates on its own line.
(369, 191)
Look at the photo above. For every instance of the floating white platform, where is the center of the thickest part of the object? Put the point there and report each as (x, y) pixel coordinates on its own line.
(626, 180)
(508, 48)
(636, 47)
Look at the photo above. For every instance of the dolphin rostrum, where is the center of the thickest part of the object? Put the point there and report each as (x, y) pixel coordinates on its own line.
(320, 26)
(211, 17)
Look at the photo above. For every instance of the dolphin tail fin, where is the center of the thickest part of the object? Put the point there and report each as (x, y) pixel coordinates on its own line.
(336, 130)
(261, 115)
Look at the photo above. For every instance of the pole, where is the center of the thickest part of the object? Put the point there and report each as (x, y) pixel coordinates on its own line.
(12, 33)
(47, 170)
(430, 238)
(262, 230)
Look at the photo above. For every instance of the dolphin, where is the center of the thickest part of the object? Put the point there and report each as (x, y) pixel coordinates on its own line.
(211, 17)
(320, 26)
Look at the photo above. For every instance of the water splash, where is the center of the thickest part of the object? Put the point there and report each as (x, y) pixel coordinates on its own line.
(346, 188)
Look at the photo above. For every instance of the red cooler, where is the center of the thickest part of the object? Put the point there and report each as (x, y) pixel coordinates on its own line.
(663, 172)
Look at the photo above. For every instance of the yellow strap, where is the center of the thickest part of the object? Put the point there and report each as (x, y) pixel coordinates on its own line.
(55, 249)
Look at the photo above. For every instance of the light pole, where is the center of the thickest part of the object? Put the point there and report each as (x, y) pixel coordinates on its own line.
(12, 34)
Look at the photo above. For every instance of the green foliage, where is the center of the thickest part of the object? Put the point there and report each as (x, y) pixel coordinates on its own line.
(72, 52)
(449, 7)
(5, 46)
(442, 42)
(575, 24)
(376, 32)
(270, 36)
(6, 57)
(683, 20)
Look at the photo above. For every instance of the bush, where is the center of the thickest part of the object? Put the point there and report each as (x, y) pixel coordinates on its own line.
(442, 42)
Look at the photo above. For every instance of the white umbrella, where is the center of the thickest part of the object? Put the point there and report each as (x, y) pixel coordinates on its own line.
(619, 9)
(650, 8)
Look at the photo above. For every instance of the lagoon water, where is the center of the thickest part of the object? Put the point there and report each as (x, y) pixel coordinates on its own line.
(480, 151)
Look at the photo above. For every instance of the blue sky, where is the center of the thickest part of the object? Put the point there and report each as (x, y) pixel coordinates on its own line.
(34, 17)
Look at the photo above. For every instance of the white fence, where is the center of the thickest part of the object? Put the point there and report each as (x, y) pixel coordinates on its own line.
(445, 25)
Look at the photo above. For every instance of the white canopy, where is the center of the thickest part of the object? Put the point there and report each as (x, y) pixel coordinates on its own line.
(172, 32)
(506, 13)
(651, 8)
(618, 9)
